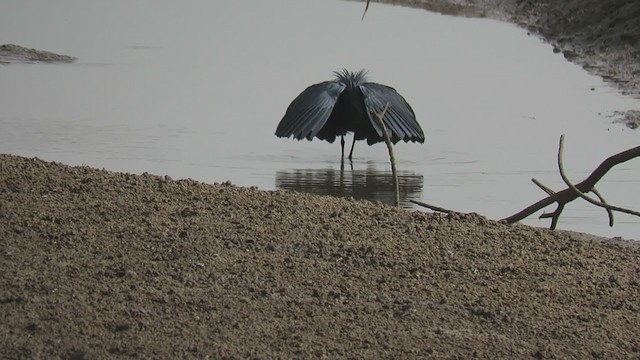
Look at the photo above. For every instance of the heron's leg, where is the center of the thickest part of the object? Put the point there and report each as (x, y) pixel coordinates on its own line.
(352, 146)
(342, 143)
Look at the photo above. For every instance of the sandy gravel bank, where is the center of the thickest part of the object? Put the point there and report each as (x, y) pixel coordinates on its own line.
(98, 264)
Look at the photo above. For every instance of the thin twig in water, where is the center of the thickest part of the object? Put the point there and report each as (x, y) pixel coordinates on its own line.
(392, 158)
(434, 208)
(543, 187)
(609, 211)
(365, 10)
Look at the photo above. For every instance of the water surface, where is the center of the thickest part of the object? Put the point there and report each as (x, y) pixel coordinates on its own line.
(197, 89)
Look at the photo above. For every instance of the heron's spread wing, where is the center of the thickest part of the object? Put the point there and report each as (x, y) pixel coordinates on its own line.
(308, 112)
(399, 119)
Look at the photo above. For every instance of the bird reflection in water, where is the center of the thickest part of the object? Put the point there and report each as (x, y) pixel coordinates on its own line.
(370, 184)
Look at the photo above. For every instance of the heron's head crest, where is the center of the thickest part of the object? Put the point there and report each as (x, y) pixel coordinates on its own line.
(351, 79)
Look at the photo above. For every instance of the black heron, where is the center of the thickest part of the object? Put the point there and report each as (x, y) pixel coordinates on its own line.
(349, 104)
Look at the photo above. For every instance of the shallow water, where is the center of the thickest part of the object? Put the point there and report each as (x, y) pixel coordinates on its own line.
(197, 89)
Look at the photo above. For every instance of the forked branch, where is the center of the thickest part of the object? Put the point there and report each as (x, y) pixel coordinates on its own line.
(574, 191)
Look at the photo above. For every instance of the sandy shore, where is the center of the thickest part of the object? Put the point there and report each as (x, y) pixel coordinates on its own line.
(97, 264)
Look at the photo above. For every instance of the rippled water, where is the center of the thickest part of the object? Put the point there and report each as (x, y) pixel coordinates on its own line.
(196, 90)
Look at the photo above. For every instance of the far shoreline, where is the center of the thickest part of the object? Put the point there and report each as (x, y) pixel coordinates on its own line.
(601, 42)
(16, 54)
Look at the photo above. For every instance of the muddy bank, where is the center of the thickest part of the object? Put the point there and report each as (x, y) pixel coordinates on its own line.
(11, 54)
(98, 264)
(601, 36)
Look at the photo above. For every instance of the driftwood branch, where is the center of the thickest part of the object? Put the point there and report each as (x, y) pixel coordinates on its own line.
(574, 191)
(392, 158)
(580, 193)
